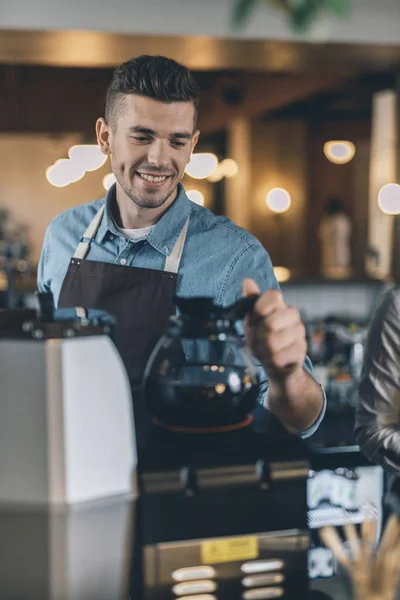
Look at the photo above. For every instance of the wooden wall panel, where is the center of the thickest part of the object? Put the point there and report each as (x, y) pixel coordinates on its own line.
(279, 160)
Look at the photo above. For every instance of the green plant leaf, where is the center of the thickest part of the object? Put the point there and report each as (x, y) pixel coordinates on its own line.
(301, 22)
(340, 7)
(242, 10)
(302, 13)
(303, 16)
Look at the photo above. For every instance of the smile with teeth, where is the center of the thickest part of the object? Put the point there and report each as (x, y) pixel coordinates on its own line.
(153, 178)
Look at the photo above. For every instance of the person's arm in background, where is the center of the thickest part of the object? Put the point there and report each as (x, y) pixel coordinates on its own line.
(378, 410)
(276, 337)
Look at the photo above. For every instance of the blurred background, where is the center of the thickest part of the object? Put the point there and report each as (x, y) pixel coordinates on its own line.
(299, 120)
(299, 140)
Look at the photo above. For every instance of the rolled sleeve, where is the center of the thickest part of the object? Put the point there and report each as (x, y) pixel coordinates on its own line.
(313, 428)
(306, 433)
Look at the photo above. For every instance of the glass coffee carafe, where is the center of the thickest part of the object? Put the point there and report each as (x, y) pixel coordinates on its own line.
(201, 377)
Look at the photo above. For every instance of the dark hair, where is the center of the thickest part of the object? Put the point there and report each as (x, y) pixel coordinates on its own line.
(334, 206)
(154, 77)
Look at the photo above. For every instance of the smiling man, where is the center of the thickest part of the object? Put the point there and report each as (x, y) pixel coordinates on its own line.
(131, 252)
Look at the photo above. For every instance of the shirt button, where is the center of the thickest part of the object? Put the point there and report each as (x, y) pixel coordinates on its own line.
(166, 250)
(123, 261)
(111, 236)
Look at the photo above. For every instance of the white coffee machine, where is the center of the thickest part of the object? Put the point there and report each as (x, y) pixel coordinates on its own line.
(66, 419)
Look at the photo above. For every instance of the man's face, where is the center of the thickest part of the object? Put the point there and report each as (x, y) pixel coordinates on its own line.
(150, 144)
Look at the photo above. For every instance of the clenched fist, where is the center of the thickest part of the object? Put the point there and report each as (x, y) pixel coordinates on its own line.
(275, 333)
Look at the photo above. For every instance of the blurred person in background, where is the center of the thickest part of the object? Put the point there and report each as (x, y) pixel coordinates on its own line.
(335, 237)
(378, 410)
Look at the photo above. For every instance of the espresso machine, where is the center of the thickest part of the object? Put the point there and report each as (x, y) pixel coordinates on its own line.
(222, 512)
(66, 418)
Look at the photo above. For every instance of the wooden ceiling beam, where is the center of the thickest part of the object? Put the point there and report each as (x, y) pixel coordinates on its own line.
(261, 94)
(102, 50)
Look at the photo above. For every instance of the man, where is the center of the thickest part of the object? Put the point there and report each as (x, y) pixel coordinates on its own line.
(378, 410)
(133, 251)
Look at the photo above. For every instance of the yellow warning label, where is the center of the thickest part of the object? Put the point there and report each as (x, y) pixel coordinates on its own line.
(229, 549)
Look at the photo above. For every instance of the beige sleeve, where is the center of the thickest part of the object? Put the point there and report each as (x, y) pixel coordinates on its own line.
(378, 410)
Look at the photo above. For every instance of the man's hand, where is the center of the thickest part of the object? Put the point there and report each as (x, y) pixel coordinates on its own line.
(276, 336)
(275, 333)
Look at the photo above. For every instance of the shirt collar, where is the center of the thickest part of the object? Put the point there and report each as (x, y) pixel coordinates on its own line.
(107, 224)
(167, 229)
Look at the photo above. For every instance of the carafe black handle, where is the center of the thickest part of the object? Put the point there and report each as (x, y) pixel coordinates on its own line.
(242, 307)
(46, 306)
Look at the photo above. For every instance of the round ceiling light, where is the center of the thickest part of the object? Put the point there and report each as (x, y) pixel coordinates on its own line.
(229, 167)
(88, 156)
(63, 172)
(278, 200)
(282, 274)
(389, 199)
(202, 165)
(216, 175)
(339, 152)
(196, 197)
(108, 181)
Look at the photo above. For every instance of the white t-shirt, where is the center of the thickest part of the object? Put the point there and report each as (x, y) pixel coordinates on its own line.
(136, 234)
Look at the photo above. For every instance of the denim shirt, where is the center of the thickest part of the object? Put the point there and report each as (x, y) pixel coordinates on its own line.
(217, 255)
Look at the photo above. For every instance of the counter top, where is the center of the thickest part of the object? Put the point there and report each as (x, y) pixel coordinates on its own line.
(86, 553)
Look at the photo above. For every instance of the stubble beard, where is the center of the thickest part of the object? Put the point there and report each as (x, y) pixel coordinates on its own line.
(146, 202)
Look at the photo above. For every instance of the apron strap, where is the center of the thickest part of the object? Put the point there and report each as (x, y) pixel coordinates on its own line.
(83, 247)
(172, 261)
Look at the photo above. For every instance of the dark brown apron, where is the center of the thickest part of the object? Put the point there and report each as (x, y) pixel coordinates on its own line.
(142, 300)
